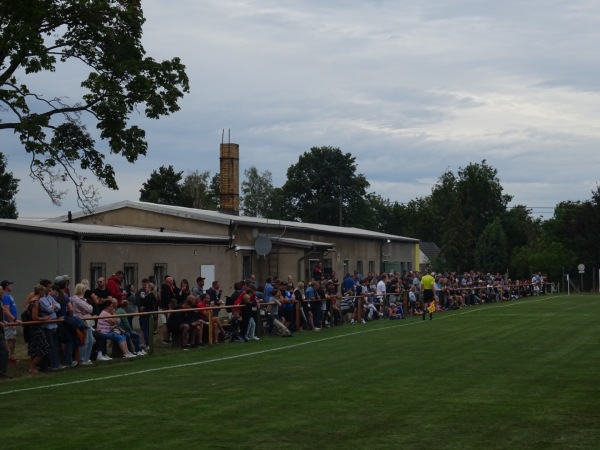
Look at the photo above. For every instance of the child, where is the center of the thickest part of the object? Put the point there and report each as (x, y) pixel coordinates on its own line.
(396, 312)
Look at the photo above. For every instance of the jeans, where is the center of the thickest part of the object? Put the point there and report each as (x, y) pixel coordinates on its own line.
(250, 331)
(135, 339)
(145, 326)
(85, 349)
(52, 339)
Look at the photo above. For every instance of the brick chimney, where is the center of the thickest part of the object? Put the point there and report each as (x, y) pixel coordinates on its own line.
(230, 179)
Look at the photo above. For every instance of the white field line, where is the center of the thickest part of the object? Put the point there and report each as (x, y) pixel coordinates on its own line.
(260, 352)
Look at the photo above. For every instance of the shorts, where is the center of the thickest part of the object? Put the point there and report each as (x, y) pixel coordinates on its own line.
(10, 333)
(428, 295)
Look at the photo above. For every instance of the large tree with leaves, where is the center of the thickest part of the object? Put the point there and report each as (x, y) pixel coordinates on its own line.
(257, 193)
(8, 189)
(197, 191)
(323, 187)
(103, 38)
(164, 187)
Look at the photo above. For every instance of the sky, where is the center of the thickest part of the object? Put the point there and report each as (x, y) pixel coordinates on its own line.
(410, 89)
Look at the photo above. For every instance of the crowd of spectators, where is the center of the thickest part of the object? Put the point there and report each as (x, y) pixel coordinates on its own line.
(71, 329)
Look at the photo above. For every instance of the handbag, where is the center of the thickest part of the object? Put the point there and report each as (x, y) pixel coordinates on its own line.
(115, 330)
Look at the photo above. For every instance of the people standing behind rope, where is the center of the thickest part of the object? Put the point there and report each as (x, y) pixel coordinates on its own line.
(83, 310)
(48, 308)
(38, 347)
(147, 303)
(114, 286)
(305, 309)
(9, 309)
(3, 347)
(66, 334)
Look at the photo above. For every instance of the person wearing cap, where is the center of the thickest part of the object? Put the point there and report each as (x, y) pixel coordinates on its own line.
(9, 308)
(198, 290)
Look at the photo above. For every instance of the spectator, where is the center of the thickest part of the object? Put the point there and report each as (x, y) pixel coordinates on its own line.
(3, 346)
(198, 290)
(83, 310)
(38, 346)
(133, 338)
(148, 303)
(9, 308)
(108, 326)
(113, 285)
(66, 334)
(218, 330)
(184, 292)
(396, 312)
(186, 323)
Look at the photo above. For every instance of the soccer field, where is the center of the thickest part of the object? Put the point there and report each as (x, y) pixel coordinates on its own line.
(520, 374)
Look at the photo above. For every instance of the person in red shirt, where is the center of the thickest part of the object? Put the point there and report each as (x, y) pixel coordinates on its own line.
(114, 286)
(218, 330)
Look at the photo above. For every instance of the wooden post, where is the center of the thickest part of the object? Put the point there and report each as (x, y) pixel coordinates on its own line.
(210, 327)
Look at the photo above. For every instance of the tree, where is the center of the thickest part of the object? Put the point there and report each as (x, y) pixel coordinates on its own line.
(215, 190)
(257, 192)
(490, 252)
(197, 192)
(104, 38)
(163, 187)
(8, 190)
(323, 187)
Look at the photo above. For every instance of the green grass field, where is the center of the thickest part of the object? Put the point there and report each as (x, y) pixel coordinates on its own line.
(522, 374)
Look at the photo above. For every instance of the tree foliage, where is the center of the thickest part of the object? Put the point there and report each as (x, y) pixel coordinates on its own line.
(490, 251)
(257, 193)
(197, 192)
(8, 189)
(164, 187)
(104, 38)
(322, 186)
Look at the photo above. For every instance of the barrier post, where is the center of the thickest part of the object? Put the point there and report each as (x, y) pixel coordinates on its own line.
(150, 344)
(360, 304)
(210, 327)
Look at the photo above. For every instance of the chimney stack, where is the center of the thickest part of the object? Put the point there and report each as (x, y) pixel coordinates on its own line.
(230, 179)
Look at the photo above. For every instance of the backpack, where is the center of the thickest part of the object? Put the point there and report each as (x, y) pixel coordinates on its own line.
(26, 316)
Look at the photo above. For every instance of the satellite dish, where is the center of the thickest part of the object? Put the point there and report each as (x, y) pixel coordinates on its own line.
(263, 245)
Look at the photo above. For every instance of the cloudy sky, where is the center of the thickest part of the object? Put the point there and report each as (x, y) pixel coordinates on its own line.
(411, 89)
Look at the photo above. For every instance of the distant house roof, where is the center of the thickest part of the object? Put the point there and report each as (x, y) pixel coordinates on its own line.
(429, 249)
(113, 233)
(226, 219)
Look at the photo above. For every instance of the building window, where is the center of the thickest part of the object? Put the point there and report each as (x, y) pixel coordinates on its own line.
(409, 266)
(160, 270)
(372, 266)
(327, 268)
(359, 268)
(311, 266)
(97, 270)
(131, 273)
(346, 266)
(246, 266)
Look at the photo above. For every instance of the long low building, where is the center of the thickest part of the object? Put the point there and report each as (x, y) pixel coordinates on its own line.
(144, 239)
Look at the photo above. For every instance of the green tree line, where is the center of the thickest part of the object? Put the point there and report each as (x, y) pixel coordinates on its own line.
(466, 214)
